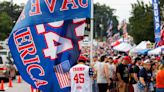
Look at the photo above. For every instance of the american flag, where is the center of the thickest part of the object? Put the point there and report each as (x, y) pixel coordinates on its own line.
(124, 25)
(110, 39)
(110, 27)
(62, 74)
(116, 36)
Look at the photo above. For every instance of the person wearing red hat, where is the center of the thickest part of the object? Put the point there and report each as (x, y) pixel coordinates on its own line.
(123, 74)
(81, 76)
(162, 37)
(127, 58)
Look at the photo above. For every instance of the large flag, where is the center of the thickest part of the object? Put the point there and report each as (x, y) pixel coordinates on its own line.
(124, 27)
(110, 27)
(156, 20)
(116, 36)
(45, 41)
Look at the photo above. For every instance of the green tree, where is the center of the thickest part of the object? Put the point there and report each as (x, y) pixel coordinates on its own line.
(13, 10)
(161, 4)
(8, 16)
(141, 22)
(102, 15)
(5, 25)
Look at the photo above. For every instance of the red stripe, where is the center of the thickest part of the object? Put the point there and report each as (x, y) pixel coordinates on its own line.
(67, 77)
(60, 77)
(63, 77)
(69, 83)
(61, 80)
(57, 75)
(57, 78)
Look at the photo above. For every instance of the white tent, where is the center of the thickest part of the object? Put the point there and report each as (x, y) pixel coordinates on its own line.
(141, 46)
(156, 51)
(117, 42)
(124, 47)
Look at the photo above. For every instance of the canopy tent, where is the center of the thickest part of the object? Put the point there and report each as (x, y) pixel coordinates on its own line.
(141, 47)
(156, 51)
(123, 47)
(117, 42)
(143, 52)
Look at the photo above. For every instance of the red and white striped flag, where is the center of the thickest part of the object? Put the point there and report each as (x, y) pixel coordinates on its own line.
(62, 76)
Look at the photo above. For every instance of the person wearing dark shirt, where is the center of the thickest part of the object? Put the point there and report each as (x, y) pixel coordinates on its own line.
(145, 76)
(135, 73)
(123, 74)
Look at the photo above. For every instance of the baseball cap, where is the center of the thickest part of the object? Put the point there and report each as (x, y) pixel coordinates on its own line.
(83, 58)
(127, 58)
(158, 58)
(115, 61)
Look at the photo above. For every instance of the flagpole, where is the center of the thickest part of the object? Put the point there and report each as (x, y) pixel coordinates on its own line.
(91, 33)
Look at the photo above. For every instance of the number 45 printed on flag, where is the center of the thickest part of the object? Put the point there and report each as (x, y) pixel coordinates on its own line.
(62, 44)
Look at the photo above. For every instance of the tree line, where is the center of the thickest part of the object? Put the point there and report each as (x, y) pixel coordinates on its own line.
(9, 14)
(141, 23)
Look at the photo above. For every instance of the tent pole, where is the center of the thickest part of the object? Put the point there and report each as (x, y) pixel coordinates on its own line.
(91, 33)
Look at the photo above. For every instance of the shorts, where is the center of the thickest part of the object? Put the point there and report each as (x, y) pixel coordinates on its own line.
(112, 84)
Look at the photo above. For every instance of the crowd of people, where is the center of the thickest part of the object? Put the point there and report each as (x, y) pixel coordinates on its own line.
(114, 72)
(123, 74)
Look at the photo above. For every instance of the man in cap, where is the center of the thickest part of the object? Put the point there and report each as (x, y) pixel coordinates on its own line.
(123, 74)
(81, 76)
(145, 76)
(135, 73)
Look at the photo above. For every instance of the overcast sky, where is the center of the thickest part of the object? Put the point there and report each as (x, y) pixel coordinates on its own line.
(123, 7)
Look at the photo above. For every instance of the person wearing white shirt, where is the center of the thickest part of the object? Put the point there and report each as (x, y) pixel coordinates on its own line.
(81, 76)
(112, 74)
(102, 74)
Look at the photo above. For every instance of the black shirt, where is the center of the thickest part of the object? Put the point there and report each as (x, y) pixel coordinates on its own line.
(123, 70)
(145, 74)
(134, 69)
